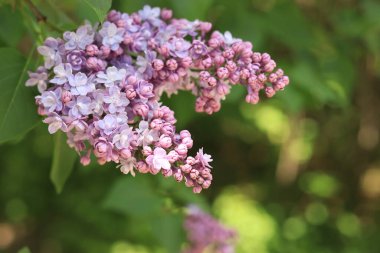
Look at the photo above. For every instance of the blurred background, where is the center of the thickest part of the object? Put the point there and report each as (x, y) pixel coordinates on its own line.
(297, 173)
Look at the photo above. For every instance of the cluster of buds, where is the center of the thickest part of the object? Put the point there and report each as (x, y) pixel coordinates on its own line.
(101, 85)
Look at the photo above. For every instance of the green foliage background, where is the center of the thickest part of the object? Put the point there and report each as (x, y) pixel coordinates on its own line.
(297, 173)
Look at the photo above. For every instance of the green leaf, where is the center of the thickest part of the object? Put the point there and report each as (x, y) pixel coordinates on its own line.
(168, 229)
(24, 250)
(195, 9)
(133, 196)
(12, 27)
(100, 7)
(18, 113)
(63, 162)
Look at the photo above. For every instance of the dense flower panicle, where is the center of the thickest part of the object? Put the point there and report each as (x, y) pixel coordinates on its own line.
(205, 234)
(102, 86)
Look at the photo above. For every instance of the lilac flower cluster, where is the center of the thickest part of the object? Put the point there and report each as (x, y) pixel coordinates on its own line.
(102, 85)
(204, 232)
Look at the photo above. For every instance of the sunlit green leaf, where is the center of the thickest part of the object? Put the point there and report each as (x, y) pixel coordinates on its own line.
(63, 162)
(133, 196)
(24, 250)
(100, 7)
(17, 111)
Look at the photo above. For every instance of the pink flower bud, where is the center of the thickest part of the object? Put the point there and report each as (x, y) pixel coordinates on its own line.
(125, 153)
(197, 189)
(229, 54)
(256, 57)
(222, 72)
(186, 168)
(252, 98)
(156, 124)
(184, 134)
(166, 14)
(207, 63)
(142, 167)
(172, 64)
(147, 151)
(205, 26)
(157, 64)
(105, 51)
(173, 77)
(128, 39)
(165, 141)
(181, 149)
(269, 91)
(92, 50)
(130, 92)
(211, 81)
(219, 59)
(214, 43)
(66, 96)
(141, 109)
(188, 142)
(178, 176)
(186, 62)
(203, 76)
(173, 156)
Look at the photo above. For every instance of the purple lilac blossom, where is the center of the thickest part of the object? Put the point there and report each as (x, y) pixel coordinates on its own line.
(205, 232)
(102, 87)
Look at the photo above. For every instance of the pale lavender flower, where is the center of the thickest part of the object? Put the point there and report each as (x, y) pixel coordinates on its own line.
(111, 77)
(115, 99)
(122, 140)
(81, 107)
(55, 123)
(38, 78)
(151, 15)
(50, 52)
(146, 135)
(62, 73)
(127, 165)
(51, 100)
(158, 160)
(80, 84)
(108, 124)
(83, 37)
(204, 158)
(112, 36)
(178, 47)
(144, 64)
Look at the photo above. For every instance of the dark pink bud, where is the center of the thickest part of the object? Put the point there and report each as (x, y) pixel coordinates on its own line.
(186, 62)
(128, 39)
(105, 51)
(207, 63)
(188, 142)
(125, 153)
(211, 81)
(269, 91)
(214, 43)
(178, 176)
(92, 50)
(172, 64)
(203, 76)
(219, 59)
(228, 53)
(173, 77)
(66, 96)
(181, 149)
(186, 168)
(252, 98)
(157, 64)
(165, 141)
(256, 57)
(142, 167)
(194, 174)
(223, 89)
(265, 58)
(222, 72)
(205, 26)
(147, 151)
(184, 134)
(166, 14)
